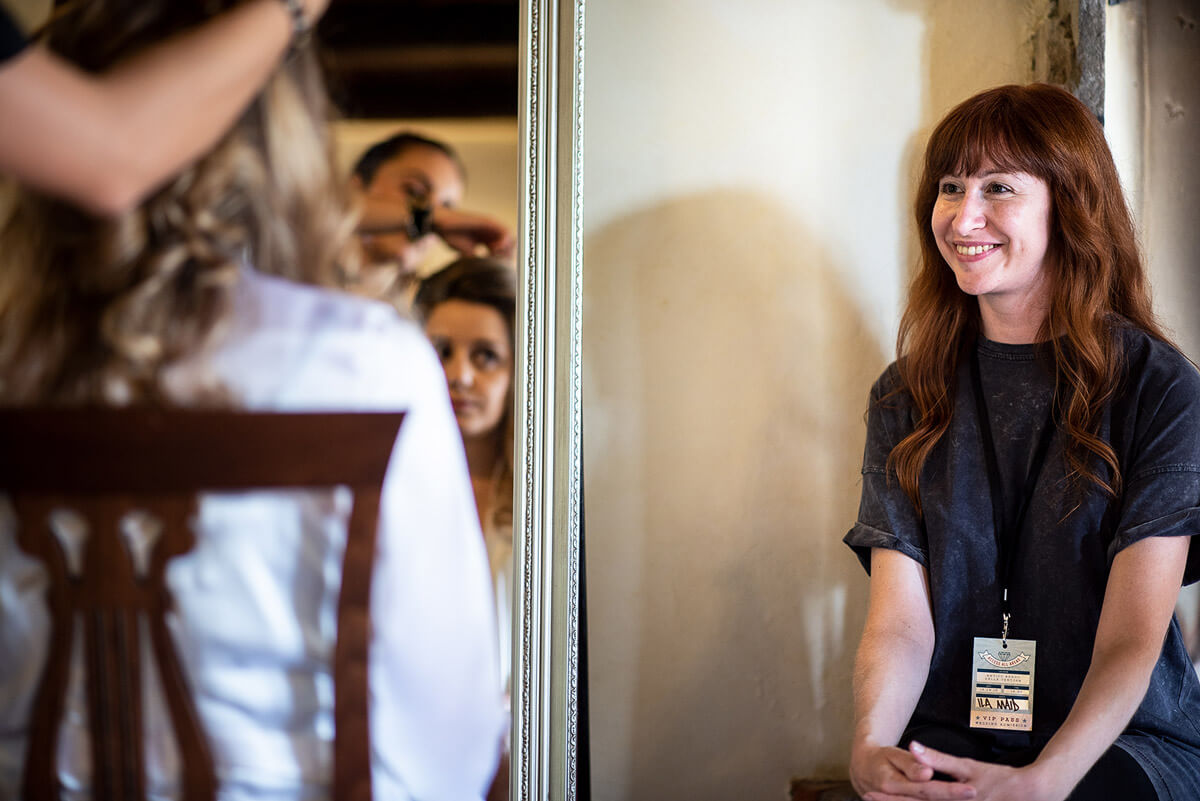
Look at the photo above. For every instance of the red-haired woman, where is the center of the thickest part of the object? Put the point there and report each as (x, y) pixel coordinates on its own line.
(1031, 484)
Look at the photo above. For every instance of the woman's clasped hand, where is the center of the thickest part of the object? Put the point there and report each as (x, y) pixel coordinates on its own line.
(897, 774)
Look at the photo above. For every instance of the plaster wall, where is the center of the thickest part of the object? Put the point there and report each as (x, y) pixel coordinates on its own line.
(1153, 126)
(1171, 194)
(1154, 129)
(747, 243)
(29, 13)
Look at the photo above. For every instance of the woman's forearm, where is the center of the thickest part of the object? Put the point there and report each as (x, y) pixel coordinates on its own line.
(890, 671)
(1115, 684)
(893, 658)
(1138, 603)
(104, 141)
(191, 88)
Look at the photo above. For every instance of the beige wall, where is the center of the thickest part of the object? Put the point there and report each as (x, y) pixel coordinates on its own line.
(1153, 123)
(1152, 98)
(748, 168)
(29, 13)
(1172, 162)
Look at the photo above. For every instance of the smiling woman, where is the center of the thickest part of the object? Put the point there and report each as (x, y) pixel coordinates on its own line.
(1028, 322)
(993, 228)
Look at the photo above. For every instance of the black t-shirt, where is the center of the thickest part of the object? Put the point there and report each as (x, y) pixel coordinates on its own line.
(1019, 388)
(1061, 568)
(12, 40)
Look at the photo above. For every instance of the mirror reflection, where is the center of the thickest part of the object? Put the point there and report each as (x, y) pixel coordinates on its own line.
(214, 275)
(432, 130)
(468, 310)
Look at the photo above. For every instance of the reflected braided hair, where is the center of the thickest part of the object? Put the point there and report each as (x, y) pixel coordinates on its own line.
(93, 309)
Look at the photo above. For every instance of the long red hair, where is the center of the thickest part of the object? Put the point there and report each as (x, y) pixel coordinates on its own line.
(1093, 269)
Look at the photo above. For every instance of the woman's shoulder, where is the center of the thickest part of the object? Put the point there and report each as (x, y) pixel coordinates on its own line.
(290, 345)
(1153, 366)
(889, 385)
(1158, 398)
(269, 302)
(889, 408)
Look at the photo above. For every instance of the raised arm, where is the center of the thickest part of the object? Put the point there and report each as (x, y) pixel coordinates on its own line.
(104, 141)
(1138, 603)
(465, 231)
(889, 675)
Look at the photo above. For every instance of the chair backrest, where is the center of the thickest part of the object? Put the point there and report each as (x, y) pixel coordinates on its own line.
(104, 463)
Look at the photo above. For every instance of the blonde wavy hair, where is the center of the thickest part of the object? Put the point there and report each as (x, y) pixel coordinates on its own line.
(93, 310)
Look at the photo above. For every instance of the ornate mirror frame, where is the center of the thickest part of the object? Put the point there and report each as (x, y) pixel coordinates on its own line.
(549, 463)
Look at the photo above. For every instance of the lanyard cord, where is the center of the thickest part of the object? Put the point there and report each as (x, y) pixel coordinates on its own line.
(1007, 532)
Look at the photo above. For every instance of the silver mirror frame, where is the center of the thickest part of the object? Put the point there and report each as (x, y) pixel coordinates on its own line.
(549, 466)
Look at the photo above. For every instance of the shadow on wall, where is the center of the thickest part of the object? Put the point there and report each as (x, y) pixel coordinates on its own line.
(725, 398)
(954, 72)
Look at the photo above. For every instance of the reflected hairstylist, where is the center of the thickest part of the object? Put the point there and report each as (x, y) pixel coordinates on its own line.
(411, 187)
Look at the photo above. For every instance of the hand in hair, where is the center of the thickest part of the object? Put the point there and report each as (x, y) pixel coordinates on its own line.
(466, 232)
(105, 140)
(385, 223)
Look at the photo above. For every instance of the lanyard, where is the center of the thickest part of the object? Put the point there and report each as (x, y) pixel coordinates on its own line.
(1007, 531)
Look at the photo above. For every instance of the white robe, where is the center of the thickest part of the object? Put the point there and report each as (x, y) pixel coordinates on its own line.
(257, 612)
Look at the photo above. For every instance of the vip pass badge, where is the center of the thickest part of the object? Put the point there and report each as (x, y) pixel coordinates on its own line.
(1002, 684)
(1002, 668)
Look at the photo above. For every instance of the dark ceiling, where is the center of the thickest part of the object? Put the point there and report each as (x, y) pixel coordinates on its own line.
(422, 58)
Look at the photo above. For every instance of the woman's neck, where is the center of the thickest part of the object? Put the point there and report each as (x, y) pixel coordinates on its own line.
(482, 453)
(1012, 320)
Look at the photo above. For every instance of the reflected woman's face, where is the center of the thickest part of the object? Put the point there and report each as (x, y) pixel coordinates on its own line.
(475, 346)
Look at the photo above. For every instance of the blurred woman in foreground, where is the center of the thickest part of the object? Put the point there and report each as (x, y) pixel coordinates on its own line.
(208, 293)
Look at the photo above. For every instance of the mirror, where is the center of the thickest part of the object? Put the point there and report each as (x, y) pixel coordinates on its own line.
(549, 463)
(546, 213)
(543, 91)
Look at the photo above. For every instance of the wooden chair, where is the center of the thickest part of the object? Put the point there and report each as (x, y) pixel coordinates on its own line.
(103, 463)
(822, 790)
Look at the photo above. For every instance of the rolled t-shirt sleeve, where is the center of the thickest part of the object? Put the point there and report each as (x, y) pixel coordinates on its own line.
(886, 516)
(1161, 497)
